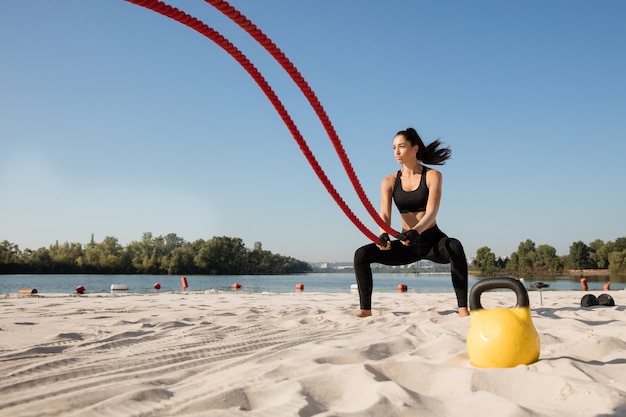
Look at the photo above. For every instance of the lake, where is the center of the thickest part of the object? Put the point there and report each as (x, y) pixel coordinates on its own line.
(313, 282)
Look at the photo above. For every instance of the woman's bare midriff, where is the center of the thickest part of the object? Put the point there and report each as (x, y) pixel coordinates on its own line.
(410, 220)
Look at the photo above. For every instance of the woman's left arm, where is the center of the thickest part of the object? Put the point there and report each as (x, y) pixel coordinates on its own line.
(434, 182)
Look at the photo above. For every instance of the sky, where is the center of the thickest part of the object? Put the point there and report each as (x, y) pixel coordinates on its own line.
(116, 121)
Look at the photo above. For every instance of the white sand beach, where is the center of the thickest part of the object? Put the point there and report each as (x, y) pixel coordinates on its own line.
(302, 354)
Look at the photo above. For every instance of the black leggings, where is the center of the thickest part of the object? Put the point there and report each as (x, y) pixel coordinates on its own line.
(433, 245)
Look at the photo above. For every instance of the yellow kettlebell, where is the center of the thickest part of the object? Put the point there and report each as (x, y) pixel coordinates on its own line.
(501, 337)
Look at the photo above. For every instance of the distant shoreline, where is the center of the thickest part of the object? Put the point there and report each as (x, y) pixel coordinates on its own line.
(569, 272)
(588, 272)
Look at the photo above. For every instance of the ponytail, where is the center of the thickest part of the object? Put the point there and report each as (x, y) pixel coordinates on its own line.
(433, 154)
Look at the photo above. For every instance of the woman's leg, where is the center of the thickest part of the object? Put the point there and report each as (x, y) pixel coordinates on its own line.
(450, 250)
(369, 254)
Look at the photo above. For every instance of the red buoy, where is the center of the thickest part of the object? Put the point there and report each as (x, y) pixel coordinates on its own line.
(236, 286)
(183, 283)
(157, 286)
(299, 287)
(80, 289)
(402, 288)
(607, 286)
(583, 284)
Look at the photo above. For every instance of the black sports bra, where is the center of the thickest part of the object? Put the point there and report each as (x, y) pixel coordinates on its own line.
(411, 201)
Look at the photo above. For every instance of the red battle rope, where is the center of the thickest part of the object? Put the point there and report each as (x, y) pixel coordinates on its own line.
(243, 22)
(210, 33)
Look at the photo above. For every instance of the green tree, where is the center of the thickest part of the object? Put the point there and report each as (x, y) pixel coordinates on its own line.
(40, 261)
(222, 256)
(172, 241)
(91, 259)
(547, 260)
(485, 260)
(617, 261)
(111, 255)
(523, 260)
(620, 243)
(11, 258)
(502, 263)
(65, 257)
(600, 251)
(181, 261)
(9, 252)
(579, 256)
(144, 255)
(162, 254)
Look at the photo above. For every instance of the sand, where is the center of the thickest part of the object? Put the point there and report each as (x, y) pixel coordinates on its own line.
(302, 354)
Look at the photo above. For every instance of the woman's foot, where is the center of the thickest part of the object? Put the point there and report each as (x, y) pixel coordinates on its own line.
(463, 312)
(364, 313)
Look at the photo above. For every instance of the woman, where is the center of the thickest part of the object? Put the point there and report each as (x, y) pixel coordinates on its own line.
(416, 192)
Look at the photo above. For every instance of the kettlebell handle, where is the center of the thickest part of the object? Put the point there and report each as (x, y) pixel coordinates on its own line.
(498, 283)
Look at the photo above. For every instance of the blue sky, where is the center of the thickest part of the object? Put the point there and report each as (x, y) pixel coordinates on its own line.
(116, 121)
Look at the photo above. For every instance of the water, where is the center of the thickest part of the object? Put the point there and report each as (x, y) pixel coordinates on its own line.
(317, 282)
(142, 284)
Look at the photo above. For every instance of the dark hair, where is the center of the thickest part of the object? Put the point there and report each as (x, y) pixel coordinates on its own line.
(431, 154)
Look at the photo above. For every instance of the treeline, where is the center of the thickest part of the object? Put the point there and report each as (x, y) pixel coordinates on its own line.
(542, 260)
(169, 254)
